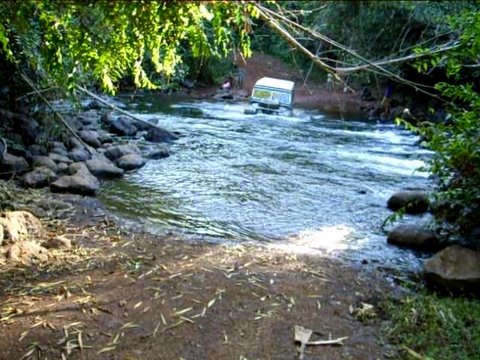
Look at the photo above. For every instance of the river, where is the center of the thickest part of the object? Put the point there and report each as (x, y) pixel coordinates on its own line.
(307, 183)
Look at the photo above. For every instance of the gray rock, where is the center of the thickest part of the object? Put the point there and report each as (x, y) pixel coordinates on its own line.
(29, 129)
(90, 137)
(73, 142)
(82, 182)
(107, 118)
(101, 166)
(123, 126)
(45, 161)
(155, 134)
(455, 269)
(13, 164)
(413, 237)
(59, 151)
(131, 162)
(79, 154)
(414, 202)
(60, 158)
(60, 145)
(39, 177)
(105, 139)
(62, 168)
(115, 152)
(37, 150)
(77, 167)
(90, 117)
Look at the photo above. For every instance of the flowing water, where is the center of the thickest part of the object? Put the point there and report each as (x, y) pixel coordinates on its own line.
(310, 182)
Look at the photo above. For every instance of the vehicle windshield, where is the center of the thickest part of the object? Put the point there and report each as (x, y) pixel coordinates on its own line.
(272, 96)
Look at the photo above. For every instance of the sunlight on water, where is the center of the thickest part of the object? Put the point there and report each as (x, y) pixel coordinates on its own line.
(328, 239)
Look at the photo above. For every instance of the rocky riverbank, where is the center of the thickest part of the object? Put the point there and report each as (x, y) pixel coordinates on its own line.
(102, 146)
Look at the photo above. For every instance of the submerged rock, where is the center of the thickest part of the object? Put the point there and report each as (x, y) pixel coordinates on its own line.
(413, 237)
(455, 269)
(155, 134)
(414, 202)
(158, 154)
(131, 162)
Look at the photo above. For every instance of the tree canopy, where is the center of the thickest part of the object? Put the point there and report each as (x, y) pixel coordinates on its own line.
(64, 43)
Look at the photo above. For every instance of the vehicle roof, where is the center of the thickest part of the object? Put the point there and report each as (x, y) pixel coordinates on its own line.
(275, 83)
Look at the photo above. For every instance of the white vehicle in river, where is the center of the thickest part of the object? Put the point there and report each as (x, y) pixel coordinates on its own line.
(272, 96)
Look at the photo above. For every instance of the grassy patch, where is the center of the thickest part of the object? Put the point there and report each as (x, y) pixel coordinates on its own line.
(426, 326)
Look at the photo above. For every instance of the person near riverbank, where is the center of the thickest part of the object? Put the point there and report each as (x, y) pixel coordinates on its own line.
(387, 99)
(329, 82)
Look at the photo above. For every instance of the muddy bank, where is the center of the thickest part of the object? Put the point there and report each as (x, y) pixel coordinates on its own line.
(133, 295)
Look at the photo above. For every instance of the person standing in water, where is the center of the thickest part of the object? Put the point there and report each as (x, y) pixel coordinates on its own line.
(387, 99)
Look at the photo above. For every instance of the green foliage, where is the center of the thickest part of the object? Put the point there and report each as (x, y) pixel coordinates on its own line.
(456, 142)
(439, 328)
(377, 30)
(66, 43)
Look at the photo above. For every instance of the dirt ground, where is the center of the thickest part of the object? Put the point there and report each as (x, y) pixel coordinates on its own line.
(118, 295)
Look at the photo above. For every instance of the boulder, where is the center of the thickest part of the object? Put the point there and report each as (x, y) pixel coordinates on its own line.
(107, 118)
(20, 226)
(414, 202)
(131, 162)
(63, 168)
(79, 154)
(73, 142)
(60, 158)
(123, 127)
(13, 164)
(115, 152)
(59, 151)
(29, 129)
(92, 105)
(104, 137)
(413, 237)
(39, 177)
(101, 166)
(60, 145)
(90, 137)
(37, 150)
(454, 269)
(82, 182)
(45, 161)
(89, 117)
(155, 134)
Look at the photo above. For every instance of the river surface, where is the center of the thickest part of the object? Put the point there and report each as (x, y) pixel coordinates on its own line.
(307, 183)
